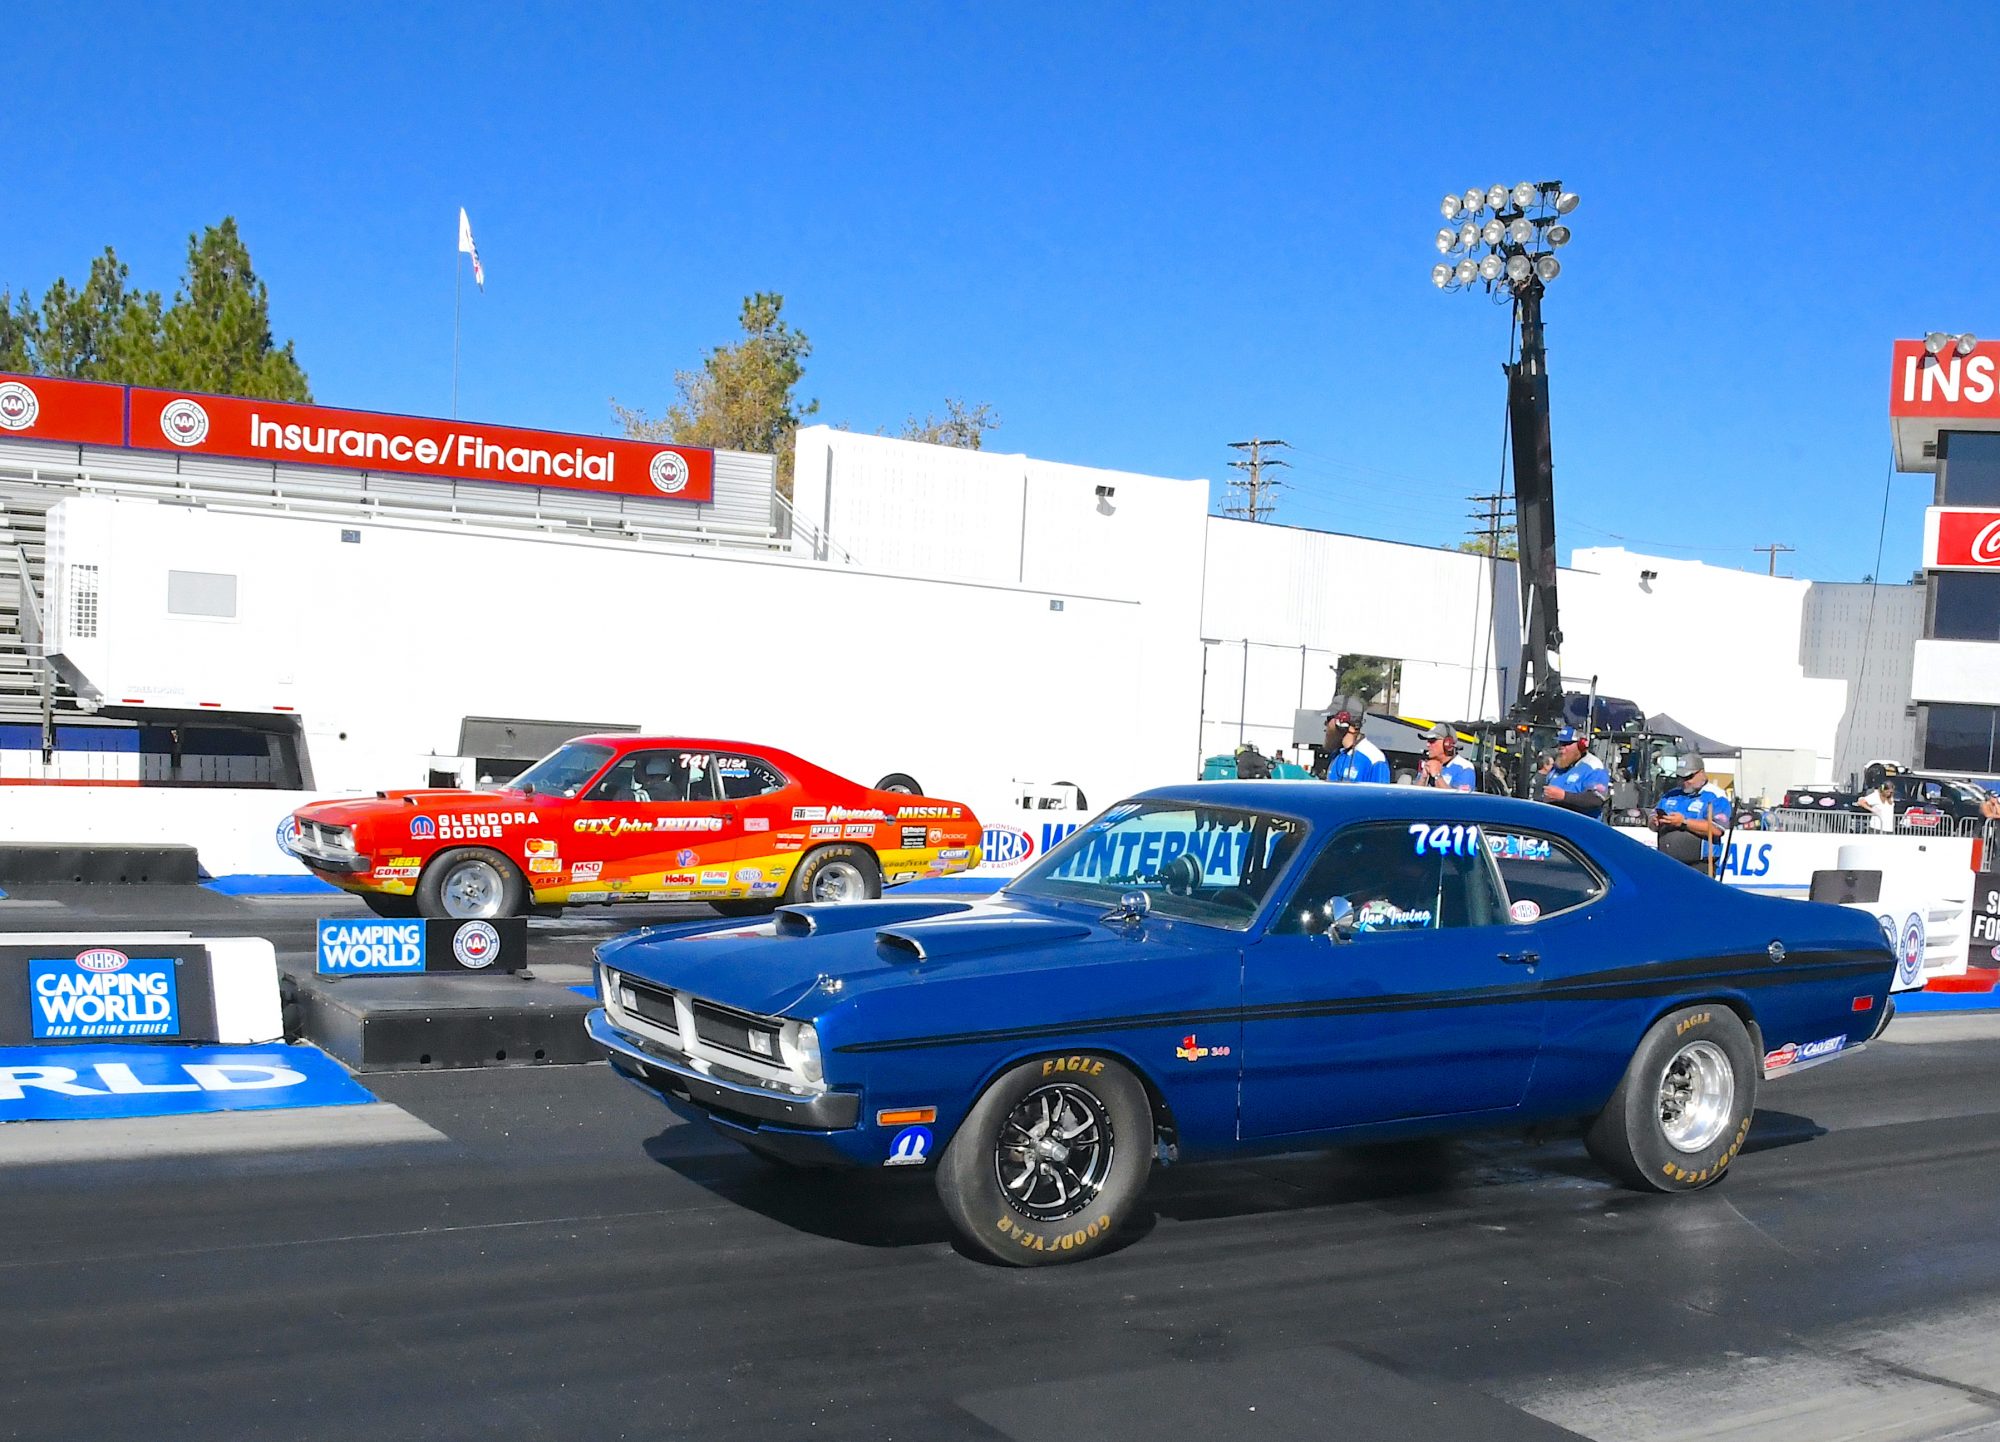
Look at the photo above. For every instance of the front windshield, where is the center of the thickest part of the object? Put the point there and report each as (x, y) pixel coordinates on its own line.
(563, 771)
(1208, 864)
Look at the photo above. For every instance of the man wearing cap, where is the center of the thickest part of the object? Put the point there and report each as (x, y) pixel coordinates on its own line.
(1578, 779)
(1697, 809)
(1350, 755)
(1443, 767)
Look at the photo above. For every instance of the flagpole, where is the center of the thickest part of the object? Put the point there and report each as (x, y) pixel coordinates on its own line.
(457, 301)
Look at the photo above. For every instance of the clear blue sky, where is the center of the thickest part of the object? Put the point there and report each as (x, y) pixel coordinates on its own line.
(1139, 233)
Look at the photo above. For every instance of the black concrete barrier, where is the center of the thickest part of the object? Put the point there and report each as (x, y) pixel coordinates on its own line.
(114, 865)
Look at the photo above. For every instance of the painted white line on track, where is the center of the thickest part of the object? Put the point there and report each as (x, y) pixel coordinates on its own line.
(145, 1138)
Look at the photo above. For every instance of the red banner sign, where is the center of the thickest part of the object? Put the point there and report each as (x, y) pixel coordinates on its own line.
(85, 413)
(408, 445)
(1947, 386)
(38, 408)
(1965, 540)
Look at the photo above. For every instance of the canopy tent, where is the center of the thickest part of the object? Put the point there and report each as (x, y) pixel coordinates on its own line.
(1706, 745)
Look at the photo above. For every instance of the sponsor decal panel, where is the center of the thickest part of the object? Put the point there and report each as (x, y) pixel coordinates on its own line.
(808, 813)
(369, 948)
(1796, 1053)
(477, 945)
(715, 878)
(102, 992)
(1192, 1050)
(585, 870)
(545, 864)
(1005, 845)
(820, 833)
(78, 1083)
(757, 823)
(914, 838)
(749, 873)
(261, 430)
(929, 813)
(862, 833)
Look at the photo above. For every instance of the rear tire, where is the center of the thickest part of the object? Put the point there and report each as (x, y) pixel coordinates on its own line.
(1050, 1161)
(396, 908)
(1683, 1109)
(899, 781)
(835, 874)
(471, 883)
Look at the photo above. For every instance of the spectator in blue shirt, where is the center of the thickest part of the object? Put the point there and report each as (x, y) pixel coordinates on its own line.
(1699, 809)
(1577, 780)
(1443, 767)
(1354, 757)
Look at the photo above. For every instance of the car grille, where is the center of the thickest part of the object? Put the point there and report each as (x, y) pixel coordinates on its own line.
(736, 1031)
(650, 1004)
(324, 837)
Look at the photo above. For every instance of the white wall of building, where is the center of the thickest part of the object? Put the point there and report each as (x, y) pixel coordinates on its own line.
(1865, 635)
(1281, 605)
(1719, 649)
(1966, 672)
(384, 645)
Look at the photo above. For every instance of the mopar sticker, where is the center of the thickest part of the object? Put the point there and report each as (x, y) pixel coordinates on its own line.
(103, 992)
(910, 1148)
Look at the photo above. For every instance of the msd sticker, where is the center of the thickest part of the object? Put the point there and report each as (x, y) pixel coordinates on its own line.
(103, 992)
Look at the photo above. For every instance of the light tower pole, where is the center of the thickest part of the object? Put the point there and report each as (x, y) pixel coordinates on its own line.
(1511, 256)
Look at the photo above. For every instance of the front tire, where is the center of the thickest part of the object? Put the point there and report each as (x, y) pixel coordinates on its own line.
(1683, 1109)
(471, 883)
(835, 874)
(1050, 1162)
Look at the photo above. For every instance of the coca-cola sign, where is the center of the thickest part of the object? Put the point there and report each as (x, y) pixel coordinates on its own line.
(1962, 540)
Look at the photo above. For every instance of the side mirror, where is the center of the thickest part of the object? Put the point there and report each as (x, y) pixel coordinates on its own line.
(1341, 925)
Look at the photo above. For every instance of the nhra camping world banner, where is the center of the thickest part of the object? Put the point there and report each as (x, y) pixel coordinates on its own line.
(80, 413)
(66, 994)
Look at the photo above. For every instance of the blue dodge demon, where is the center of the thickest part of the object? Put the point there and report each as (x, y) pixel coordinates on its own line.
(1224, 968)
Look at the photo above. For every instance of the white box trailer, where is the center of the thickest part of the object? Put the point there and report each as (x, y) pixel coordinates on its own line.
(384, 638)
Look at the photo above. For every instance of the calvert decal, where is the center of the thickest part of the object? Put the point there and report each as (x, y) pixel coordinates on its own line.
(413, 446)
(76, 1083)
(103, 992)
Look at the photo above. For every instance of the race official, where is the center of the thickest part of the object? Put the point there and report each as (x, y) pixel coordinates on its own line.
(1699, 808)
(1577, 780)
(1352, 756)
(1443, 767)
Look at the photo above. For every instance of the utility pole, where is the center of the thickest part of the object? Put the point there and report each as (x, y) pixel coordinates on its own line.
(1498, 508)
(1253, 506)
(1774, 549)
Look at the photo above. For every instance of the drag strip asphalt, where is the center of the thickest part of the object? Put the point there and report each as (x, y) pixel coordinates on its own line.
(558, 1258)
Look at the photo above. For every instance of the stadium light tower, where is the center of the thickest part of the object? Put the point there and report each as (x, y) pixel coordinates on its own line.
(1504, 241)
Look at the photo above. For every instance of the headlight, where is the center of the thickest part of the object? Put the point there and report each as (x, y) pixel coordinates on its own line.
(800, 1044)
(342, 838)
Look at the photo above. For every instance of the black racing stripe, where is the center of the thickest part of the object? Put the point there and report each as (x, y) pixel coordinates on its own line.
(1617, 984)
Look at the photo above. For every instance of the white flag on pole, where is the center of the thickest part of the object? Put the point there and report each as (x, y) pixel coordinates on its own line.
(466, 247)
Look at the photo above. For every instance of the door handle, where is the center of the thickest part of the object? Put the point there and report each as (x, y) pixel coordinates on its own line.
(1521, 958)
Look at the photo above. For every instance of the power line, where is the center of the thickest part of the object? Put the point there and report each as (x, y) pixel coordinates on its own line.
(1254, 488)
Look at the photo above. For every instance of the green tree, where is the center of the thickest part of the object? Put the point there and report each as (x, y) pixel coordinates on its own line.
(1510, 546)
(216, 336)
(743, 397)
(961, 426)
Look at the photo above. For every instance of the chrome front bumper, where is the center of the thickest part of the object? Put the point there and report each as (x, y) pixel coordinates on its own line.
(717, 1090)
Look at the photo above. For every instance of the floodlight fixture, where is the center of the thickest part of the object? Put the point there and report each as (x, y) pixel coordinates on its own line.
(1489, 268)
(1450, 208)
(1558, 235)
(1440, 275)
(1524, 195)
(1547, 267)
(1446, 239)
(1936, 341)
(1466, 272)
(1520, 230)
(1496, 196)
(1519, 268)
(1468, 234)
(1566, 202)
(1966, 343)
(1475, 200)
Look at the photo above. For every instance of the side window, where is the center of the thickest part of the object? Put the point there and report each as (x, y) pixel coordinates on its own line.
(1542, 873)
(745, 777)
(1397, 877)
(652, 776)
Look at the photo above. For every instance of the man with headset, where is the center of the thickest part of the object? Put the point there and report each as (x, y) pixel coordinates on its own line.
(1443, 767)
(1352, 756)
(1577, 781)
